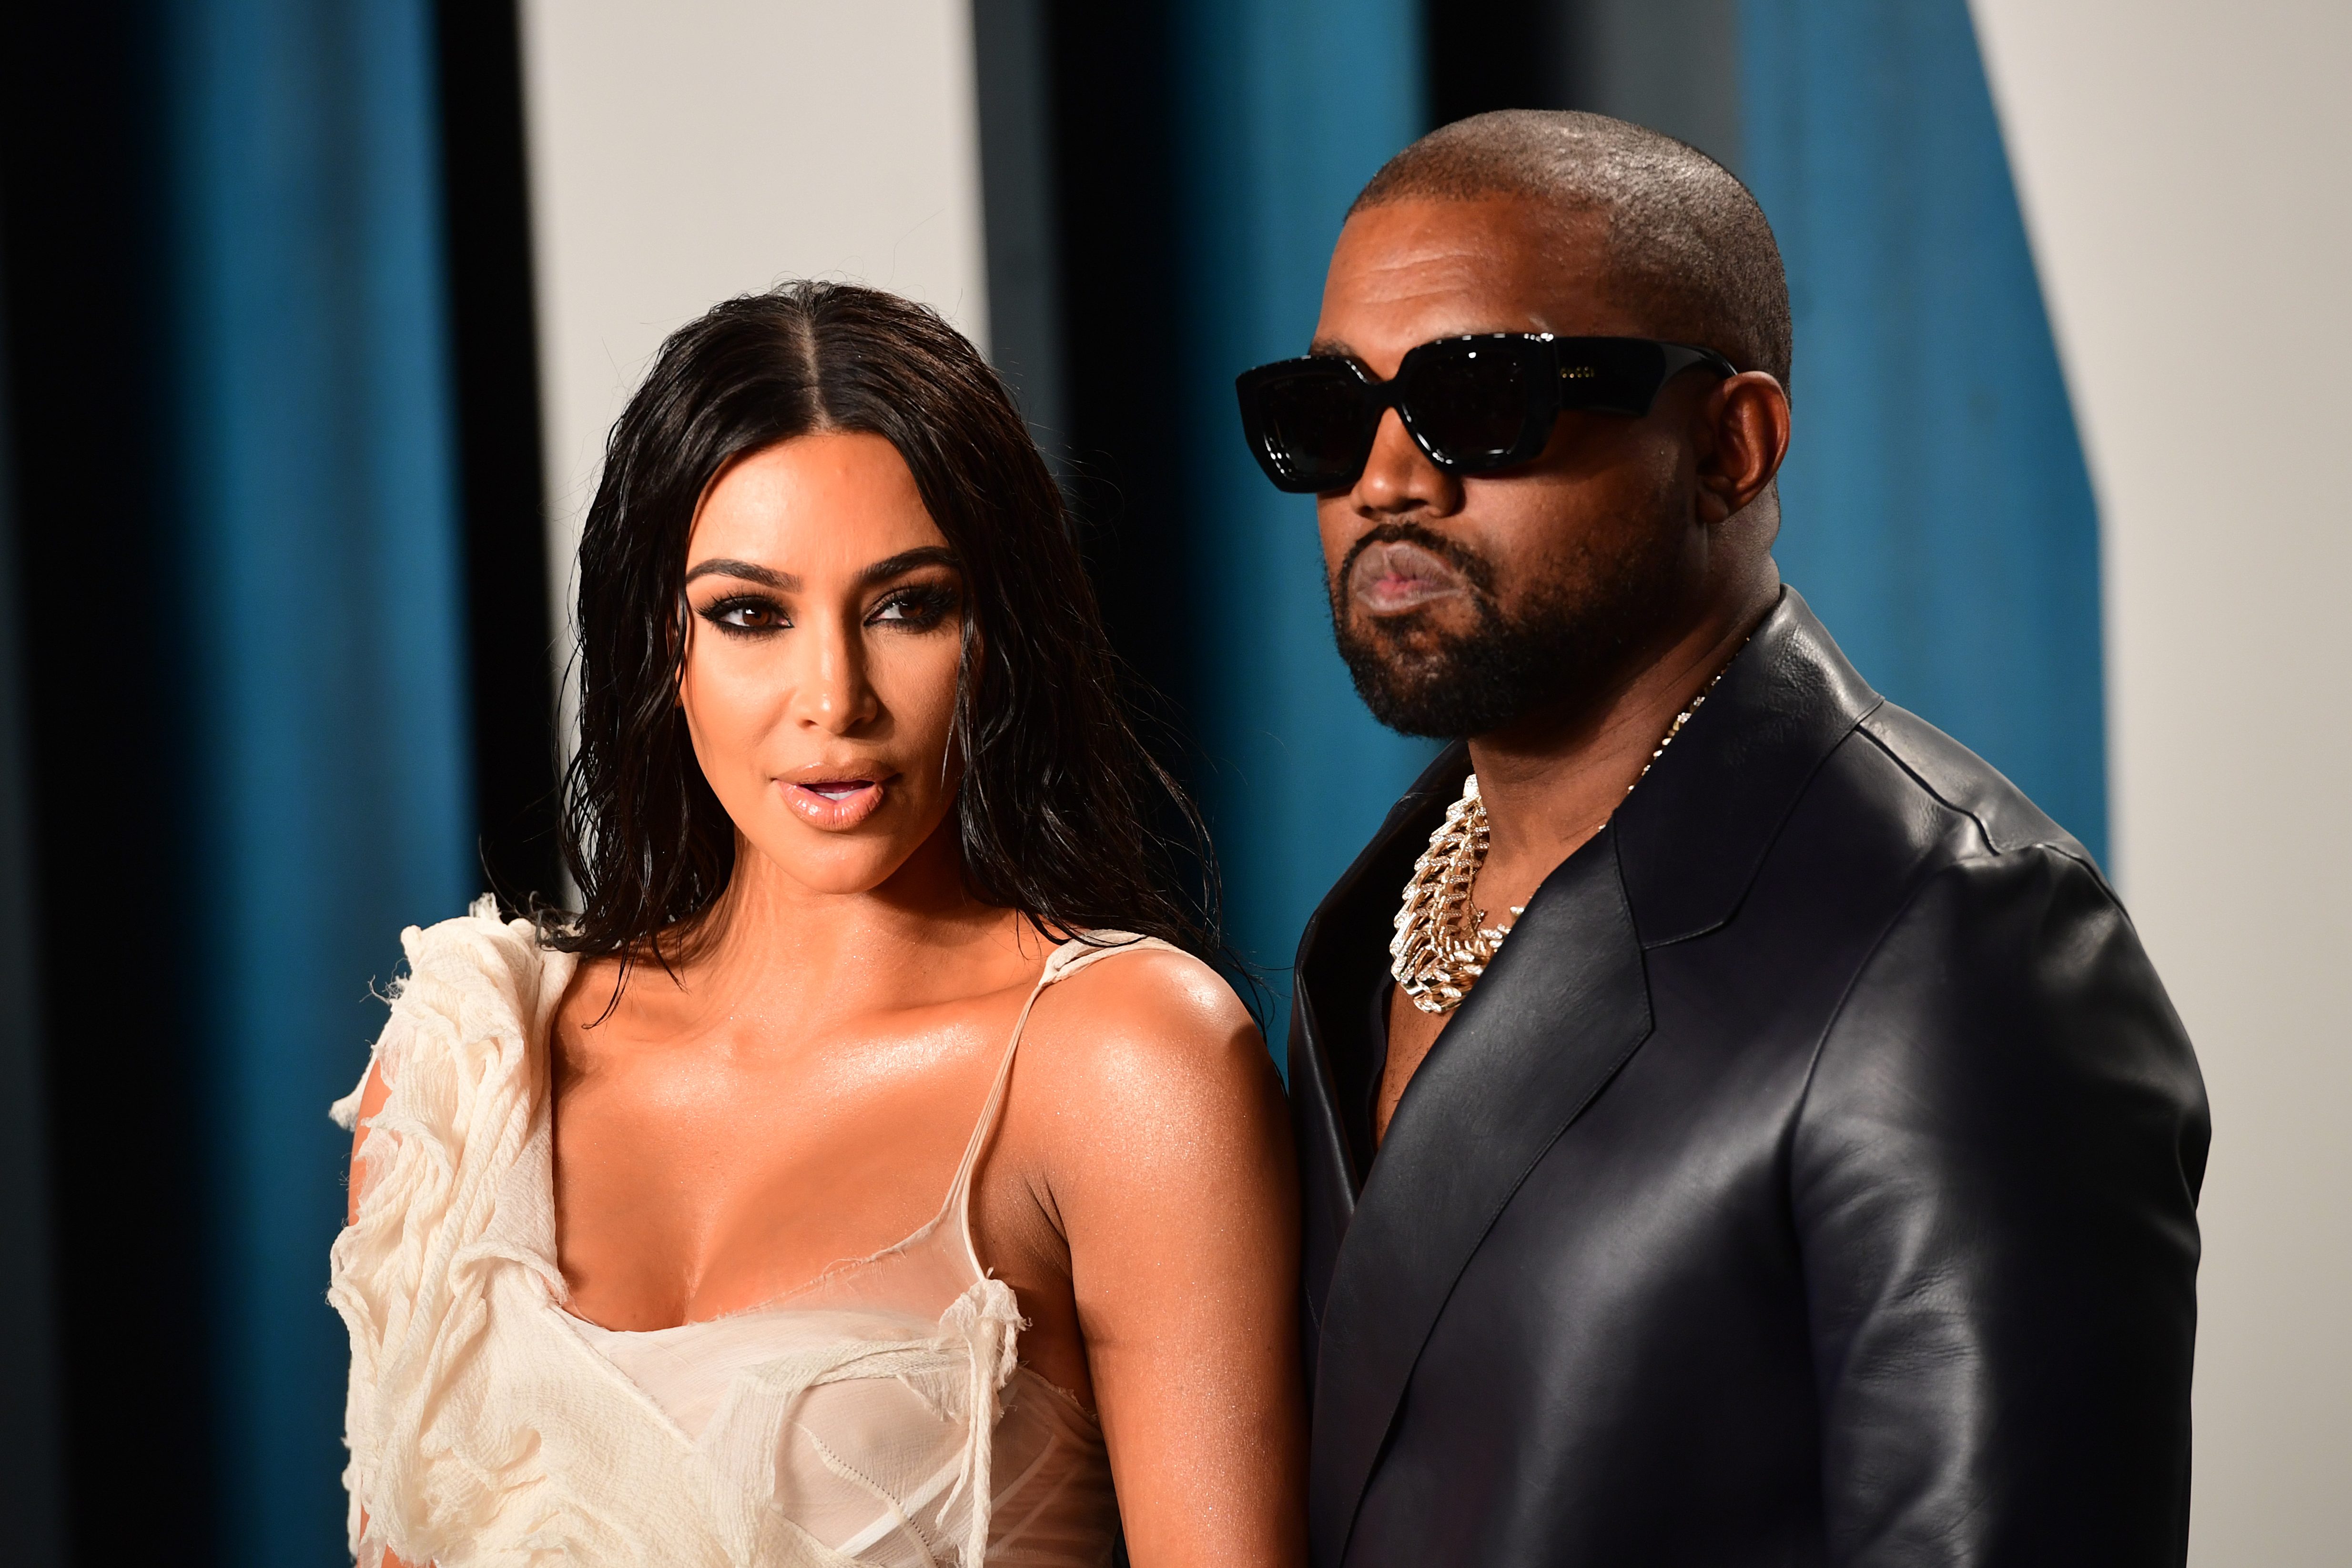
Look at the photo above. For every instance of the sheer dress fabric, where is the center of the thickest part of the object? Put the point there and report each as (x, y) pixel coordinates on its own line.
(877, 1417)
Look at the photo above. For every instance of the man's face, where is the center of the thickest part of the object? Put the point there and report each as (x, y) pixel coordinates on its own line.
(1465, 604)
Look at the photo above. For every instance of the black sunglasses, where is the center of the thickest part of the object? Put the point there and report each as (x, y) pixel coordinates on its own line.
(1473, 405)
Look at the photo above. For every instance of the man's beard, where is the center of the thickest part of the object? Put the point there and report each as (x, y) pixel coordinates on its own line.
(1571, 638)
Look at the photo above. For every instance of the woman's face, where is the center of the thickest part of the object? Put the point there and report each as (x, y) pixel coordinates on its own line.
(820, 676)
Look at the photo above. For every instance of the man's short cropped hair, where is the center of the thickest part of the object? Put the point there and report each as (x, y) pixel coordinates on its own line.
(1689, 250)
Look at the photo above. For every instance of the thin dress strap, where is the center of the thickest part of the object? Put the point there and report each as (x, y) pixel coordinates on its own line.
(1065, 961)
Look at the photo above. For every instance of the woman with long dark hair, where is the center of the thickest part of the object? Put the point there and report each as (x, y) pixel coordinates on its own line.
(872, 1170)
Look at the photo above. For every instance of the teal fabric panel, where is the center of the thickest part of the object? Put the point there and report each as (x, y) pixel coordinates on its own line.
(1286, 107)
(323, 589)
(1937, 511)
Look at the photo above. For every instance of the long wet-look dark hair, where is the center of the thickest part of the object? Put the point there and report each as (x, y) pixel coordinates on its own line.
(1062, 812)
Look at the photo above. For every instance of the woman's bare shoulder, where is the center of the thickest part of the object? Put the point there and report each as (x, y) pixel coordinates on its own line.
(1141, 1026)
(1147, 1110)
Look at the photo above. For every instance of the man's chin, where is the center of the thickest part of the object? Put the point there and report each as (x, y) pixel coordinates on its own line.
(1411, 697)
(1446, 688)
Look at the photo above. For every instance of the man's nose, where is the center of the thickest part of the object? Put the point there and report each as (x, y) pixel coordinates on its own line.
(1400, 477)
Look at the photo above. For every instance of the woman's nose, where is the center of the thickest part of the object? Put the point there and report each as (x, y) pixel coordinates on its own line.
(832, 692)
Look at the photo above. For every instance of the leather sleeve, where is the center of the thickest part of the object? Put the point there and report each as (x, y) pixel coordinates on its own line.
(1993, 1180)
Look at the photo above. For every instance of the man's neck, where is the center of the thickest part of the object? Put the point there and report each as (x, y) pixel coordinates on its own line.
(1551, 782)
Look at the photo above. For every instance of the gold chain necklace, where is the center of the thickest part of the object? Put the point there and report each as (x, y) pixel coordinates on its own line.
(1441, 946)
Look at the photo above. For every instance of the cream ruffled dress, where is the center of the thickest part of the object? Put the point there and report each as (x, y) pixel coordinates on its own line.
(878, 1416)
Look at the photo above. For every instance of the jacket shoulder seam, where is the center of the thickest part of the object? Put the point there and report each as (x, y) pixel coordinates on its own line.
(1992, 845)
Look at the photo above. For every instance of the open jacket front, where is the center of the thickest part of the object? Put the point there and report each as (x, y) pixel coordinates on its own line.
(1810, 1179)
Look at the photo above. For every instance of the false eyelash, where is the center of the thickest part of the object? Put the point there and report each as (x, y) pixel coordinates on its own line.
(922, 605)
(718, 608)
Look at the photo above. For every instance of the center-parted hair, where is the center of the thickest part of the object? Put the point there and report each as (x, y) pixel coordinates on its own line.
(1062, 812)
(1687, 247)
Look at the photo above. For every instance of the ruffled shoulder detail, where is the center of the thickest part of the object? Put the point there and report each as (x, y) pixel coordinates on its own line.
(476, 973)
(452, 1183)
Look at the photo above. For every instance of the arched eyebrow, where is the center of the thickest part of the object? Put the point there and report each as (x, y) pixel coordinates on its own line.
(749, 571)
(907, 560)
(882, 570)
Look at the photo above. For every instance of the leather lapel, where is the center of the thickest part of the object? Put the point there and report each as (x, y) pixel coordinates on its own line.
(1561, 1008)
(1692, 835)
(1343, 959)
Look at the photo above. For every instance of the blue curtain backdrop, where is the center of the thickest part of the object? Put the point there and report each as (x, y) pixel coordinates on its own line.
(324, 590)
(1288, 107)
(1937, 512)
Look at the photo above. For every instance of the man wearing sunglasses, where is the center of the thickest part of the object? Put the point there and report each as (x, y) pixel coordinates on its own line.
(1737, 1126)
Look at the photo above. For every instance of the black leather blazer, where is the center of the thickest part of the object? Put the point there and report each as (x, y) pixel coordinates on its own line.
(1811, 1179)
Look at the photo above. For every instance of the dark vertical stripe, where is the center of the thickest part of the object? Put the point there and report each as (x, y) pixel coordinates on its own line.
(1114, 173)
(1495, 54)
(1011, 56)
(1671, 65)
(1110, 165)
(32, 1458)
(103, 632)
(486, 199)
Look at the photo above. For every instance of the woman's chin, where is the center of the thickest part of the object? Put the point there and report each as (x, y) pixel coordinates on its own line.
(834, 863)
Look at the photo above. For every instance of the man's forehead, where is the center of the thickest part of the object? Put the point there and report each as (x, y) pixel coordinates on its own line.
(1438, 268)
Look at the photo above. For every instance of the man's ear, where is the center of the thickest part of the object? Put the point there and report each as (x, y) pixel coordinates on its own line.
(1743, 434)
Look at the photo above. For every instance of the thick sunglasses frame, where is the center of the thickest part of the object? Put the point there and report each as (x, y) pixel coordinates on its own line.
(1594, 375)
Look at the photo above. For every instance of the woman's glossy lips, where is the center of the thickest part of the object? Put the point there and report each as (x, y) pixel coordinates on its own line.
(836, 803)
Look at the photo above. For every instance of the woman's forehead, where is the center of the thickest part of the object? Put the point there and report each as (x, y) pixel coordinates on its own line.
(832, 500)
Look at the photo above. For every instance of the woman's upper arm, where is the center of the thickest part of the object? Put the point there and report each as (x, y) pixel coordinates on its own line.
(372, 1095)
(1178, 1193)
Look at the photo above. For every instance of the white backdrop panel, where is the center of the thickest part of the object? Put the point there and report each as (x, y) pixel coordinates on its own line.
(2182, 167)
(690, 150)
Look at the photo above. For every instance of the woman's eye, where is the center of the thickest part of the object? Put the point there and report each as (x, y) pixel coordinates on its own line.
(746, 615)
(918, 607)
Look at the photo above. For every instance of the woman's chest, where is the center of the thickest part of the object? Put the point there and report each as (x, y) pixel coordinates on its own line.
(693, 1181)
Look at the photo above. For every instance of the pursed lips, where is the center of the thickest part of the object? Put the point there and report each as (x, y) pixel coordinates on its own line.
(1397, 576)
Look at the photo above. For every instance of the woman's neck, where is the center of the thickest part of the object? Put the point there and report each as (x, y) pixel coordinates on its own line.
(920, 937)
